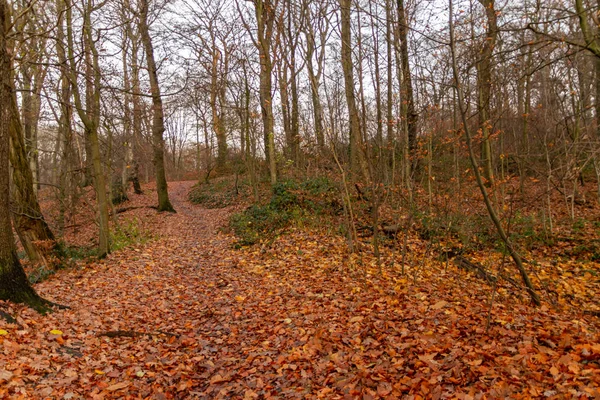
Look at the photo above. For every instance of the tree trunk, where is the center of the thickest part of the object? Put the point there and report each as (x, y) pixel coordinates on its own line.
(378, 104)
(484, 83)
(134, 173)
(158, 125)
(292, 38)
(14, 285)
(390, 91)
(35, 234)
(264, 11)
(316, 101)
(315, 78)
(409, 113)
(285, 109)
(217, 110)
(358, 162)
(90, 116)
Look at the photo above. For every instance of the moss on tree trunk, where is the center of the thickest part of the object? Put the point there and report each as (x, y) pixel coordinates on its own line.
(15, 287)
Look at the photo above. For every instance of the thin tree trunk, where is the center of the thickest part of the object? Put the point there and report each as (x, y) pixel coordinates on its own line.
(264, 11)
(134, 174)
(358, 162)
(158, 124)
(314, 78)
(492, 212)
(484, 83)
(217, 110)
(378, 104)
(411, 115)
(285, 108)
(390, 90)
(90, 116)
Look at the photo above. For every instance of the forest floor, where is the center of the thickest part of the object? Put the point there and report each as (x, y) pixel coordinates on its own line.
(186, 315)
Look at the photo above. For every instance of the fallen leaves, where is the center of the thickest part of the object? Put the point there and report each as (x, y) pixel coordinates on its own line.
(288, 324)
(117, 386)
(439, 305)
(5, 375)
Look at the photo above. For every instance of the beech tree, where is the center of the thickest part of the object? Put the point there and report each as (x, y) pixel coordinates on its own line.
(89, 112)
(358, 162)
(265, 14)
(14, 285)
(158, 124)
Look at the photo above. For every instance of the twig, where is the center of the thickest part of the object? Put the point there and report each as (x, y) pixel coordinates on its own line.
(133, 334)
(125, 209)
(595, 313)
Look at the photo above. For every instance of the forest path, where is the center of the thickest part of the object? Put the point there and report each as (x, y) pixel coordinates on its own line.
(174, 288)
(182, 315)
(185, 316)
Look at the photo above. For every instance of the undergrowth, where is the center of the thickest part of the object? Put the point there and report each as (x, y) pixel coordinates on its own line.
(290, 203)
(217, 194)
(127, 234)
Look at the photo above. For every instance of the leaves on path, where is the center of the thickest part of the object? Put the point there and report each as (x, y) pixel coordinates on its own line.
(301, 319)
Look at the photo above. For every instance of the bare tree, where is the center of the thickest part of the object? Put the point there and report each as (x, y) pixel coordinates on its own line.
(90, 112)
(358, 162)
(158, 124)
(14, 285)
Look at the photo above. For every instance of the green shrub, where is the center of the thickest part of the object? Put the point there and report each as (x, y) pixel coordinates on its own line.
(283, 197)
(256, 221)
(319, 186)
(129, 233)
(78, 252)
(40, 274)
(290, 203)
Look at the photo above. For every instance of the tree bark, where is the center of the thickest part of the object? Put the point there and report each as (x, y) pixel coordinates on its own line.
(265, 17)
(314, 75)
(484, 83)
(217, 108)
(134, 173)
(358, 162)
(14, 285)
(90, 116)
(409, 116)
(158, 124)
(34, 233)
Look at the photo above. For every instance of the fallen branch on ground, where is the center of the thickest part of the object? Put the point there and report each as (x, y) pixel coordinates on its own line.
(133, 334)
(125, 209)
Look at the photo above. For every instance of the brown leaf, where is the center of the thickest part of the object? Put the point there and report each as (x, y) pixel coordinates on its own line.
(117, 386)
(384, 388)
(5, 375)
(439, 305)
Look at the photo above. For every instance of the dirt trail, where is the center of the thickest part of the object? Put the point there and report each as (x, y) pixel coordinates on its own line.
(165, 288)
(185, 316)
(214, 329)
